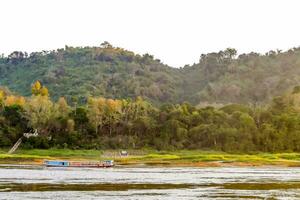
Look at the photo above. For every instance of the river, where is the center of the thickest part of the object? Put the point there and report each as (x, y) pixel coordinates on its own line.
(129, 183)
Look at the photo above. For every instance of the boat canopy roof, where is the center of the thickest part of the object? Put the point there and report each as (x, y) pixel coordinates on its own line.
(57, 162)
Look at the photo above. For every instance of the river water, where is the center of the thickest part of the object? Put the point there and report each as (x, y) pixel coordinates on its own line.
(149, 183)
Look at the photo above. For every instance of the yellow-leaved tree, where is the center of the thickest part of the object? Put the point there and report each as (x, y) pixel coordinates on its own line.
(14, 100)
(113, 113)
(2, 94)
(96, 111)
(38, 89)
(40, 112)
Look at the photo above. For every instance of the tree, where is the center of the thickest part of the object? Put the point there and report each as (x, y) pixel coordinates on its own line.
(230, 52)
(70, 125)
(1, 99)
(40, 112)
(17, 57)
(38, 89)
(13, 116)
(106, 45)
(1, 95)
(63, 107)
(14, 100)
(96, 110)
(112, 113)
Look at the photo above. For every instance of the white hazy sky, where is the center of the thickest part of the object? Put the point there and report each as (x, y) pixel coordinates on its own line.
(175, 31)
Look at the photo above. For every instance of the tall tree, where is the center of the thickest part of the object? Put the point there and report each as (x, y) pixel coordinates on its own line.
(40, 111)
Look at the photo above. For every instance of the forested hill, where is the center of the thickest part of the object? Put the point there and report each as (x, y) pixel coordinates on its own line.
(111, 72)
(91, 71)
(224, 77)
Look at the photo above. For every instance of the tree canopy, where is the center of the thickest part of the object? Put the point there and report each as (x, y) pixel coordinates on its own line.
(111, 72)
(102, 123)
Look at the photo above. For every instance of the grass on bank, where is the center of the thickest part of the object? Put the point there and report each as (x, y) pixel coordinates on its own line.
(151, 156)
(42, 154)
(207, 156)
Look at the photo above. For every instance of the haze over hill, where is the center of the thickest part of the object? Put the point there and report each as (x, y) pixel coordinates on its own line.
(221, 77)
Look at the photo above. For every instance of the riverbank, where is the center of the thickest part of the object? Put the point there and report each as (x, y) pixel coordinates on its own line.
(191, 158)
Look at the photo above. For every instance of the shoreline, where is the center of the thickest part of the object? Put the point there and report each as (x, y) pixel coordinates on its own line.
(183, 158)
(8, 163)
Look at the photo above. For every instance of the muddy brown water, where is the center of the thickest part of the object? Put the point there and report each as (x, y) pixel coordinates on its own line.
(129, 183)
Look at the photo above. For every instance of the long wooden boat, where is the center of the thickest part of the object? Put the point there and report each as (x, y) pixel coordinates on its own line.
(94, 164)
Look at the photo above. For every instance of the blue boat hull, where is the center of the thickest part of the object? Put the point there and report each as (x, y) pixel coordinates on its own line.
(56, 163)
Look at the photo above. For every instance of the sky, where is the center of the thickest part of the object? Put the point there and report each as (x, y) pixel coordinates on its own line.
(175, 31)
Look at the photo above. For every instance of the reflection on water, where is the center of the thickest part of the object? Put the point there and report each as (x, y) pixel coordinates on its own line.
(149, 183)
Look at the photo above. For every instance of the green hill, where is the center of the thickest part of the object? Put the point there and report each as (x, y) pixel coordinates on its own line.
(247, 78)
(97, 71)
(112, 72)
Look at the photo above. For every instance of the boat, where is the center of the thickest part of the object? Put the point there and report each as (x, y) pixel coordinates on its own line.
(64, 163)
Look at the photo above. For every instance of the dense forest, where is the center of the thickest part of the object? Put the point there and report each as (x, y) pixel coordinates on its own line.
(109, 97)
(111, 72)
(102, 123)
(91, 71)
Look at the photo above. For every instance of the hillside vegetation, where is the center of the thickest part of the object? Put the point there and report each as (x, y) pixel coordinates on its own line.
(92, 71)
(104, 123)
(223, 77)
